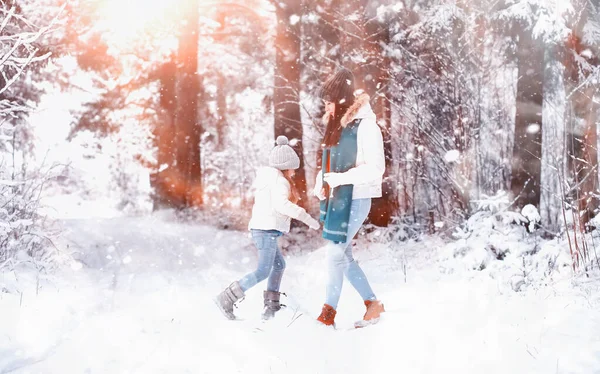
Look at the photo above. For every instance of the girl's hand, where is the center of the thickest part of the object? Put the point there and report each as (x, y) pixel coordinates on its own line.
(320, 194)
(313, 224)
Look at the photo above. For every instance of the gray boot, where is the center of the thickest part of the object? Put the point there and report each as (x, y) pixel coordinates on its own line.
(226, 300)
(272, 304)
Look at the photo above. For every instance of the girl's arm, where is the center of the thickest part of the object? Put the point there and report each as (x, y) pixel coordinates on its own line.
(282, 204)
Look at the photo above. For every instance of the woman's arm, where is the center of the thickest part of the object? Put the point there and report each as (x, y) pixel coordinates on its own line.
(370, 141)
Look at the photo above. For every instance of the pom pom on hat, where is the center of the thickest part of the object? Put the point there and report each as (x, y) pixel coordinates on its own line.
(282, 140)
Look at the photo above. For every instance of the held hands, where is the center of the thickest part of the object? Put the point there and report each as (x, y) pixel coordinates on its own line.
(334, 179)
(319, 193)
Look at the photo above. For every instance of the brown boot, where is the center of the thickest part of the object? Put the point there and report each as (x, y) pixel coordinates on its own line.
(327, 316)
(374, 310)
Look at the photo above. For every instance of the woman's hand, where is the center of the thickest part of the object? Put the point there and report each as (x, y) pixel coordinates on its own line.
(334, 179)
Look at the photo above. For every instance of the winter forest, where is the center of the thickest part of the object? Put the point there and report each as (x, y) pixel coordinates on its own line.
(139, 197)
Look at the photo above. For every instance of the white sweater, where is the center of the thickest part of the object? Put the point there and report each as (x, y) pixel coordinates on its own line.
(272, 208)
(367, 175)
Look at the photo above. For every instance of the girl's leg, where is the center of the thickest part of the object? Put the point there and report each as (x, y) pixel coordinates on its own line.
(266, 242)
(276, 272)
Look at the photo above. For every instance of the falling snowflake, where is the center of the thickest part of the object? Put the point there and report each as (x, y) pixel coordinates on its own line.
(534, 128)
(452, 156)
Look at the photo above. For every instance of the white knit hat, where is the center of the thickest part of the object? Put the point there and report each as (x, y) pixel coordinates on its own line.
(283, 157)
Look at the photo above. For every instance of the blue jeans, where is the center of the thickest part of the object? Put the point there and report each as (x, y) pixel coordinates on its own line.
(270, 261)
(340, 261)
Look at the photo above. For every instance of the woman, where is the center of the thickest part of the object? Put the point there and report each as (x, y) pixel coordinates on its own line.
(352, 171)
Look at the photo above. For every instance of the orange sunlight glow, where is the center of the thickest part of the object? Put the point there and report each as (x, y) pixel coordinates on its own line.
(130, 21)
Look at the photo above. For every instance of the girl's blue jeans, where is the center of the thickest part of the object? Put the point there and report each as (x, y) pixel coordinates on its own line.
(270, 261)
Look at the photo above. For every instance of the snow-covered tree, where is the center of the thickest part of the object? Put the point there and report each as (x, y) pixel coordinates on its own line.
(25, 36)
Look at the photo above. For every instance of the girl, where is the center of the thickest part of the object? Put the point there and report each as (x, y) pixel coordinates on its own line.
(353, 164)
(271, 216)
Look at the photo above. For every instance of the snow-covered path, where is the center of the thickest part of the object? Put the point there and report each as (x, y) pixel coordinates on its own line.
(142, 303)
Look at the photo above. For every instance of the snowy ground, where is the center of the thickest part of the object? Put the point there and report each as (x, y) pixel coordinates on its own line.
(140, 301)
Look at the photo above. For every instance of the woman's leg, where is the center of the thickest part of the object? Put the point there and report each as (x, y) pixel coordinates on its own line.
(340, 260)
(353, 272)
(266, 242)
(335, 266)
(358, 279)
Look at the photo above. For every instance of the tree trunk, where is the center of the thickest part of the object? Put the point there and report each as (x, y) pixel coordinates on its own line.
(385, 207)
(286, 93)
(553, 143)
(362, 40)
(163, 180)
(527, 150)
(221, 94)
(581, 123)
(221, 111)
(321, 53)
(188, 129)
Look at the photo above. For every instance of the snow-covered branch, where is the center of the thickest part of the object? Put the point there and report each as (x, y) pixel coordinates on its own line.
(19, 49)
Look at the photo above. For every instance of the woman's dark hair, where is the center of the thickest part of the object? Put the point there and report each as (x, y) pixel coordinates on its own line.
(334, 128)
(338, 89)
